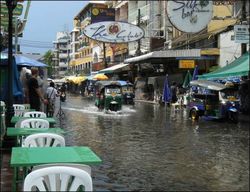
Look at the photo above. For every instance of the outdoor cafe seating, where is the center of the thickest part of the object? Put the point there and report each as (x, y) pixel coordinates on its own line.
(34, 158)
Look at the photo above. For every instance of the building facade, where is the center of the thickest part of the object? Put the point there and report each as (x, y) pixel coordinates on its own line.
(61, 54)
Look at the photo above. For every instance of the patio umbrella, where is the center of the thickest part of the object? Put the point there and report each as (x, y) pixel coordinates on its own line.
(100, 77)
(187, 80)
(166, 96)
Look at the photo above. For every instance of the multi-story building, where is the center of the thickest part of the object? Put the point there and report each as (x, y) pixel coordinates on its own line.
(86, 54)
(119, 51)
(61, 53)
(153, 20)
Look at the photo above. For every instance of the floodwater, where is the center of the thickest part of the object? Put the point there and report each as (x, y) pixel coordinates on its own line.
(149, 147)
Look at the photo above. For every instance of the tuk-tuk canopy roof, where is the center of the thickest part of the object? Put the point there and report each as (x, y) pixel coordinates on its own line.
(208, 85)
(239, 67)
(106, 83)
(123, 83)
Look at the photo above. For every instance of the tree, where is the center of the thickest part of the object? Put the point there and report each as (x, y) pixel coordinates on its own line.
(48, 59)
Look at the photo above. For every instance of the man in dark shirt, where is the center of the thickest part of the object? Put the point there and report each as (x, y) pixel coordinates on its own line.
(34, 92)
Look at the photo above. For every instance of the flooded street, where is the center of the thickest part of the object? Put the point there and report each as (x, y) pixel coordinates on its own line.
(149, 147)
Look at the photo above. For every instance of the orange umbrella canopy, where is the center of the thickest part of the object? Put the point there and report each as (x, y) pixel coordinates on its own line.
(100, 77)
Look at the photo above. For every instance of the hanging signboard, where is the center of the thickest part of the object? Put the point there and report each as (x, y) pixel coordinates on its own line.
(186, 64)
(241, 33)
(102, 14)
(16, 12)
(114, 32)
(190, 16)
(5, 21)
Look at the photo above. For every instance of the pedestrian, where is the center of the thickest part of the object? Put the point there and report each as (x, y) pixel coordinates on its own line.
(51, 94)
(173, 89)
(34, 92)
(63, 92)
(25, 75)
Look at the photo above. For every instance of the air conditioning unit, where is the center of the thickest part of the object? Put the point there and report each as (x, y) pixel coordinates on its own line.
(158, 33)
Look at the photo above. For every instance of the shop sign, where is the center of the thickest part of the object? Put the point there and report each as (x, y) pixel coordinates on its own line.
(241, 33)
(16, 12)
(190, 16)
(186, 64)
(102, 14)
(114, 32)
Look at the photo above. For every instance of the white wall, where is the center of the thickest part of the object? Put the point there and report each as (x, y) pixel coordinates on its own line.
(229, 50)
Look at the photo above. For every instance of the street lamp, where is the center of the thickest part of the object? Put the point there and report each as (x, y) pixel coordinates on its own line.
(11, 4)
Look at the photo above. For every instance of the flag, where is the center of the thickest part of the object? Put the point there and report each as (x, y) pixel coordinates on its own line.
(187, 80)
(195, 73)
(166, 96)
(195, 77)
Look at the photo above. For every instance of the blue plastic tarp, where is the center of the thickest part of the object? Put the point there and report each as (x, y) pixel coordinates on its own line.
(4, 85)
(25, 61)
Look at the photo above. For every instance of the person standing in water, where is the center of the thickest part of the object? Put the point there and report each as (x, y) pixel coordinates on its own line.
(34, 92)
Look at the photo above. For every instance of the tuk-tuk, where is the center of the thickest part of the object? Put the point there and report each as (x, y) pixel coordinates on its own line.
(108, 95)
(213, 101)
(127, 92)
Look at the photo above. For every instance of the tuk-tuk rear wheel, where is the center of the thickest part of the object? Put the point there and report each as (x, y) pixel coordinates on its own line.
(194, 114)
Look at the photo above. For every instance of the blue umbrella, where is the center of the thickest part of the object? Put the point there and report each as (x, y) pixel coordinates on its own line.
(25, 61)
(166, 91)
(195, 73)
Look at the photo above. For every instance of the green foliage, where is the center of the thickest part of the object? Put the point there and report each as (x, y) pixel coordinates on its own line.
(48, 59)
(3, 41)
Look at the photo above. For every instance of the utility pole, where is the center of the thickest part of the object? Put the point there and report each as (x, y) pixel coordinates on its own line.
(11, 4)
(16, 35)
(138, 50)
(104, 55)
(243, 20)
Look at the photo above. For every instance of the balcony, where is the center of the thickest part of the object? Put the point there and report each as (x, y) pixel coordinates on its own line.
(63, 55)
(62, 64)
(85, 22)
(120, 3)
(145, 12)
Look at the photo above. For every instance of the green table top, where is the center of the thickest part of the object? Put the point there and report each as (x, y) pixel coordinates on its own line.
(11, 131)
(26, 157)
(15, 119)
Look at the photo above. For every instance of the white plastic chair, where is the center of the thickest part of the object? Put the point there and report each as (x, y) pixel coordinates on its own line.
(79, 166)
(44, 140)
(27, 106)
(34, 123)
(19, 110)
(58, 178)
(35, 114)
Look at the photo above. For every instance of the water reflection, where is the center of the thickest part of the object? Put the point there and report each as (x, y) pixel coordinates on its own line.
(150, 147)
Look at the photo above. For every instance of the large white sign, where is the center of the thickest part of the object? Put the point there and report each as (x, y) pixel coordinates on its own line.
(241, 33)
(114, 32)
(190, 16)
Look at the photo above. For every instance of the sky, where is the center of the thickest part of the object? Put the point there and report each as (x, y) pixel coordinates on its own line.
(45, 19)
